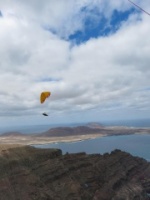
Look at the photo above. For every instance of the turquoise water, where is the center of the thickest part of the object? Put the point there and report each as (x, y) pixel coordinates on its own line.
(137, 145)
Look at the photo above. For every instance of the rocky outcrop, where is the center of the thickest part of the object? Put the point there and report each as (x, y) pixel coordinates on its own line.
(27, 173)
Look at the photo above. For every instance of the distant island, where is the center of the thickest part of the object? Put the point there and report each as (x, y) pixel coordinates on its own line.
(69, 134)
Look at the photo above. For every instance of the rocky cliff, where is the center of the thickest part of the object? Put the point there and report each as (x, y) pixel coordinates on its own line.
(27, 173)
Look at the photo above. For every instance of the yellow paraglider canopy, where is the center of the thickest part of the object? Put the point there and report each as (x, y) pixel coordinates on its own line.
(44, 96)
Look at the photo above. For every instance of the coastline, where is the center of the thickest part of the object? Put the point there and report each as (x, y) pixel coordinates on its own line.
(106, 143)
(68, 134)
(31, 140)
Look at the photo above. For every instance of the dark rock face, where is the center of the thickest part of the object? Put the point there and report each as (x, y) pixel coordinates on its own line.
(27, 173)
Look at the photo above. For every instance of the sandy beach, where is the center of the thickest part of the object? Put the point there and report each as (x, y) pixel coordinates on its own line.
(30, 140)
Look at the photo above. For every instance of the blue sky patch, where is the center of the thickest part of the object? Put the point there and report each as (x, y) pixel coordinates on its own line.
(101, 26)
(119, 17)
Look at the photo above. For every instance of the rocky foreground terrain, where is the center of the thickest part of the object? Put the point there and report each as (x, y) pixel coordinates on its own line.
(27, 173)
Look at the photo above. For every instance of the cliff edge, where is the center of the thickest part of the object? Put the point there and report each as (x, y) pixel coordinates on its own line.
(28, 173)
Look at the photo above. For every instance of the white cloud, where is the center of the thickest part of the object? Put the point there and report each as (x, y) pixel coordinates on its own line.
(101, 74)
(63, 17)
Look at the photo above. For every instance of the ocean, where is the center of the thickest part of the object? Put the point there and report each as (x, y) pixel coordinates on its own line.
(137, 145)
(28, 129)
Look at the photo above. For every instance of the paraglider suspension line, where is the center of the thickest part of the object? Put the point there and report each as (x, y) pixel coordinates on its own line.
(139, 7)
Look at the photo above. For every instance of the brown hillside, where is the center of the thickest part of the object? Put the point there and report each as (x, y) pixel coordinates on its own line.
(70, 131)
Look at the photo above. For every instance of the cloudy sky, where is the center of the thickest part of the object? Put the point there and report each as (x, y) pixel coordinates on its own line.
(94, 57)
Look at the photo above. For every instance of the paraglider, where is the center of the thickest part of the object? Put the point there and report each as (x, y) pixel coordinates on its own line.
(43, 97)
(45, 114)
